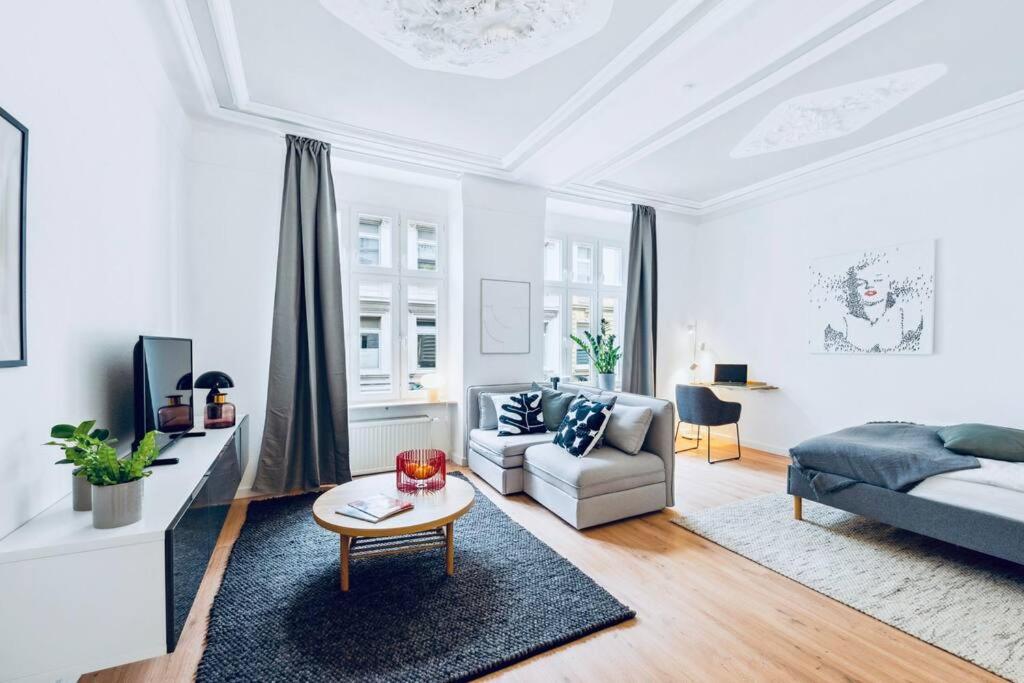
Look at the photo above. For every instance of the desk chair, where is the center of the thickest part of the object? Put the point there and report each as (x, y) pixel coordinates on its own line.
(699, 406)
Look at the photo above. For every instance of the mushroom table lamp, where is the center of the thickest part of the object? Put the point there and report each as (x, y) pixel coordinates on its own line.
(219, 413)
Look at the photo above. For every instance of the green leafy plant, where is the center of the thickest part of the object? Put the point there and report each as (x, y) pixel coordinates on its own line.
(104, 468)
(79, 443)
(601, 348)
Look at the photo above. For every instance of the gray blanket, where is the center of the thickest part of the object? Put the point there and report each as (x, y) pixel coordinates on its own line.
(892, 455)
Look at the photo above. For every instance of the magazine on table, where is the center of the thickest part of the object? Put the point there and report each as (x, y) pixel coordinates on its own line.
(375, 508)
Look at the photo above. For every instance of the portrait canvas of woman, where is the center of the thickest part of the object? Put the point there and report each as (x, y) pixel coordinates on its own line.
(874, 301)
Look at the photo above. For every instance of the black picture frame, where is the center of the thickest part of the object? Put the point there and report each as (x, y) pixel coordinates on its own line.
(22, 360)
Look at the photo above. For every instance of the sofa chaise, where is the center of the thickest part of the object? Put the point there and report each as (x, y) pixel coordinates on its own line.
(606, 485)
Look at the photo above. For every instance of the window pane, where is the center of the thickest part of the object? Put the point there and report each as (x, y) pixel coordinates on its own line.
(611, 266)
(422, 324)
(610, 312)
(581, 321)
(552, 335)
(582, 263)
(553, 260)
(374, 240)
(421, 246)
(375, 300)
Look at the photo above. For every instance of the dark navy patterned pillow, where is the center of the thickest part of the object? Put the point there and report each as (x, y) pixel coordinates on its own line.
(583, 426)
(519, 413)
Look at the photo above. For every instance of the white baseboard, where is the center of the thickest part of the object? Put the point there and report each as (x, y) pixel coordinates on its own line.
(727, 434)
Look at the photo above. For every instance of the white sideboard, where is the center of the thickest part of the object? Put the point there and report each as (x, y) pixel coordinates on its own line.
(75, 599)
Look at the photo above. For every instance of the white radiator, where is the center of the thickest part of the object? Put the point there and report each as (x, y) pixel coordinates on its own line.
(373, 444)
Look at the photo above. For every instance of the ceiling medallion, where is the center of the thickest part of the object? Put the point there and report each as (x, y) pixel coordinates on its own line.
(488, 38)
(833, 113)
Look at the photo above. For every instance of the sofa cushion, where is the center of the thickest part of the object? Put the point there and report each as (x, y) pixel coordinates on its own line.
(604, 470)
(519, 413)
(582, 427)
(488, 416)
(555, 406)
(505, 451)
(627, 427)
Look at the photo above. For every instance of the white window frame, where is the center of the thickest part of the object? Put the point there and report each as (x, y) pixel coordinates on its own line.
(596, 290)
(353, 239)
(400, 277)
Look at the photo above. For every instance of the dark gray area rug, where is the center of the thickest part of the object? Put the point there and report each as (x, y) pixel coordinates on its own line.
(280, 616)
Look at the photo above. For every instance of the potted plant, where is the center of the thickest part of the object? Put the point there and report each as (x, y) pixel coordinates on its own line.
(603, 352)
(117, 483)
(78, 444)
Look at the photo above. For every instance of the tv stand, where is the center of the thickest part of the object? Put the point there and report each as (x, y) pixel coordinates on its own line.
(156, 565)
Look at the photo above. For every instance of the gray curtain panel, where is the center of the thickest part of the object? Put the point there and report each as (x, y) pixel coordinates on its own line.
(305, 437)
(640, 346)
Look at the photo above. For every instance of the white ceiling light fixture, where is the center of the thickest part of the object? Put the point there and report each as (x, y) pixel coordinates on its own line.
(833, 113)
(488, 38)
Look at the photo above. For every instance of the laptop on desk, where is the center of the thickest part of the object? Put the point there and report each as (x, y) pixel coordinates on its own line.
(730, 375)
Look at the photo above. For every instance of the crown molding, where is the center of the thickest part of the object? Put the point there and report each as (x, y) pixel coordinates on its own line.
(822, 44)
(374, 147)
(682, 18)
(990, 117)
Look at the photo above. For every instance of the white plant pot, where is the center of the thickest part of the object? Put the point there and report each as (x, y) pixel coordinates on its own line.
(81, 494)
(606, 381)
(117, 505)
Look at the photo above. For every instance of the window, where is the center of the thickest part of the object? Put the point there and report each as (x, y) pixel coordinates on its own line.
(553, 260)
(582, 263)
(397, 289)
(422, 246)
(592, 292)
(374, 238)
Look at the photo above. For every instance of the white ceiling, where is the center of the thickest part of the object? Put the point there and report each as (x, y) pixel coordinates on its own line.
(647, 109)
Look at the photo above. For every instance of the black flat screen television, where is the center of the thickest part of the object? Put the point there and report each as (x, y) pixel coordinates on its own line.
(163, 389)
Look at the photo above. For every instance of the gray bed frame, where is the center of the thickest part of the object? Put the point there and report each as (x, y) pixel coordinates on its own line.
(986, 533)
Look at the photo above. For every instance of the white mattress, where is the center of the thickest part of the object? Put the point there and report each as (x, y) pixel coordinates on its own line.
(997, 487)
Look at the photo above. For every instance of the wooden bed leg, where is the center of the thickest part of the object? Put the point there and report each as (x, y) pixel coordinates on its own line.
(798, 508)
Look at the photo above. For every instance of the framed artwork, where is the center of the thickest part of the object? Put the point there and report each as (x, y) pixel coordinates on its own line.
(13, 176)
(874, 301)
(504, 316)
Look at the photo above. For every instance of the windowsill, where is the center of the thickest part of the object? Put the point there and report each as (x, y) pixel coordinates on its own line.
(399, 403)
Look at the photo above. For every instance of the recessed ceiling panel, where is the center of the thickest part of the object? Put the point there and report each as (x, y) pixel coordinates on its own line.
(299, 56)
(488, 38)
(935, 60)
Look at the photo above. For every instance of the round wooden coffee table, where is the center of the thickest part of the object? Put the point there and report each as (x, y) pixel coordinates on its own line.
(430, 524)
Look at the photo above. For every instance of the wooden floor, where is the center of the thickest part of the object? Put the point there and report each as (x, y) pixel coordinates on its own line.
(704, 613)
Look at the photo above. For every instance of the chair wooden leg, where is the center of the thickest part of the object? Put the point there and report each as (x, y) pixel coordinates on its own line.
(691, 448)
(738, 452)
(798, 508)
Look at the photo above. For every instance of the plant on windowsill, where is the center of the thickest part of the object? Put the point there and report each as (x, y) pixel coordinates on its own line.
(603, 353)
(78, 444)
(117, 482)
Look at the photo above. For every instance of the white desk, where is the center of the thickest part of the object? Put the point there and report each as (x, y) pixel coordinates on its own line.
(749, 386)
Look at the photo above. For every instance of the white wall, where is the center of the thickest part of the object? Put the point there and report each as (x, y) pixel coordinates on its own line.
(104, 197)
(503, 238)
(751, 269)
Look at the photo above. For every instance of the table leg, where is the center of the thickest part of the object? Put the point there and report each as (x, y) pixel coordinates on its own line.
(449, 536)
(344, 562)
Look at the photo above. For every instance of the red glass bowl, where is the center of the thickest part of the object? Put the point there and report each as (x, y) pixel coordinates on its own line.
(421, 469)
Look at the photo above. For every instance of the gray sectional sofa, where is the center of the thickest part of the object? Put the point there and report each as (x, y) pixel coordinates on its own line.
(606, 485)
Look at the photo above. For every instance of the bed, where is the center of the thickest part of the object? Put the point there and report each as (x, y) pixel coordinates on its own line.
(980, 507)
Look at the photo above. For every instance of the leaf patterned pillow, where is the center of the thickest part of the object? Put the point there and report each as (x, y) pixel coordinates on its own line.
(583, 426)
(519, 413)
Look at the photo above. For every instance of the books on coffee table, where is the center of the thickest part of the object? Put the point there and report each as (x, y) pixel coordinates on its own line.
(375, 508)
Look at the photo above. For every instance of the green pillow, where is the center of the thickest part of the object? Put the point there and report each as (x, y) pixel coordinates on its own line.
(554, 405)
(984, 441)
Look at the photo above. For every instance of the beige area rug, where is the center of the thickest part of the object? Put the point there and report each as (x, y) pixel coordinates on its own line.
(964, 602)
